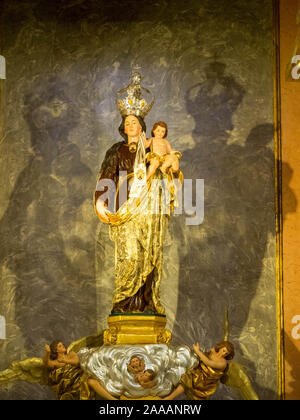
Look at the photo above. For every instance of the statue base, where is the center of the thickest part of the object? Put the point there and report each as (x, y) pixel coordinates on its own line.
(136, 328)
(122, 397)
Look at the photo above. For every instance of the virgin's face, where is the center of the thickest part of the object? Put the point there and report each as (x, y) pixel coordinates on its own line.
(132, 126)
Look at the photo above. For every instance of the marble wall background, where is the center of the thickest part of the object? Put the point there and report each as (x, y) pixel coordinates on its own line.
(209, 65)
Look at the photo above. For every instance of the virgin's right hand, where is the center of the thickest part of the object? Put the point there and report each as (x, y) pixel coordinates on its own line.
(47, 348)
(102, 211)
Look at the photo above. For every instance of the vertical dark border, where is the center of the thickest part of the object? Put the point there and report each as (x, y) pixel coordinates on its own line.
(278, 201)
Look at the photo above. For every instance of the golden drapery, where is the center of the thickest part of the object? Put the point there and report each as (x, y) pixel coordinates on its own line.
(70, 383)
(138, 229)
(200, 383)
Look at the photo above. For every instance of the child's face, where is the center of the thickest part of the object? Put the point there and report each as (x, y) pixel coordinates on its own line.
(135, 362)
(159, 132)
(223, 351)
(144, 376)
(60, 348)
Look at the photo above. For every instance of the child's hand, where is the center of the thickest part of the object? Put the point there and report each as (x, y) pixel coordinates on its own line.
(197, 349)
(147, 142)
(144, 136)
(62, 358)
(47, 348)
(58, 364)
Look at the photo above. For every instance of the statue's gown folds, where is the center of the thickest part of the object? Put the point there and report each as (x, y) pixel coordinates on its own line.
(137, 228)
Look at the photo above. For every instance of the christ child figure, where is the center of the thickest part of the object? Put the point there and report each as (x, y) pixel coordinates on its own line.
(162, 156)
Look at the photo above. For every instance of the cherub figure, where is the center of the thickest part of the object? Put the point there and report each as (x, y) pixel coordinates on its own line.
(146, 378)
(66, 376)
(56, 356)
(136, 365)
(162, 155)
(201, 382)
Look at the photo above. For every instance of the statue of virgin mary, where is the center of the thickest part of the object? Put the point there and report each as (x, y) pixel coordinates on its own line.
(137, 210)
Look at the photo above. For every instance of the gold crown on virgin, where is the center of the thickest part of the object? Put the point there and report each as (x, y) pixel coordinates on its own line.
(130, 100)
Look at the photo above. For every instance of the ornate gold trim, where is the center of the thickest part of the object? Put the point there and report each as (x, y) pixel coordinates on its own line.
(136, 329)
(1, 109)
(150, 397)
(278, 200)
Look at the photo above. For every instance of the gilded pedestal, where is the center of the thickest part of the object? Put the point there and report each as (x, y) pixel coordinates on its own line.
(136, 329)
